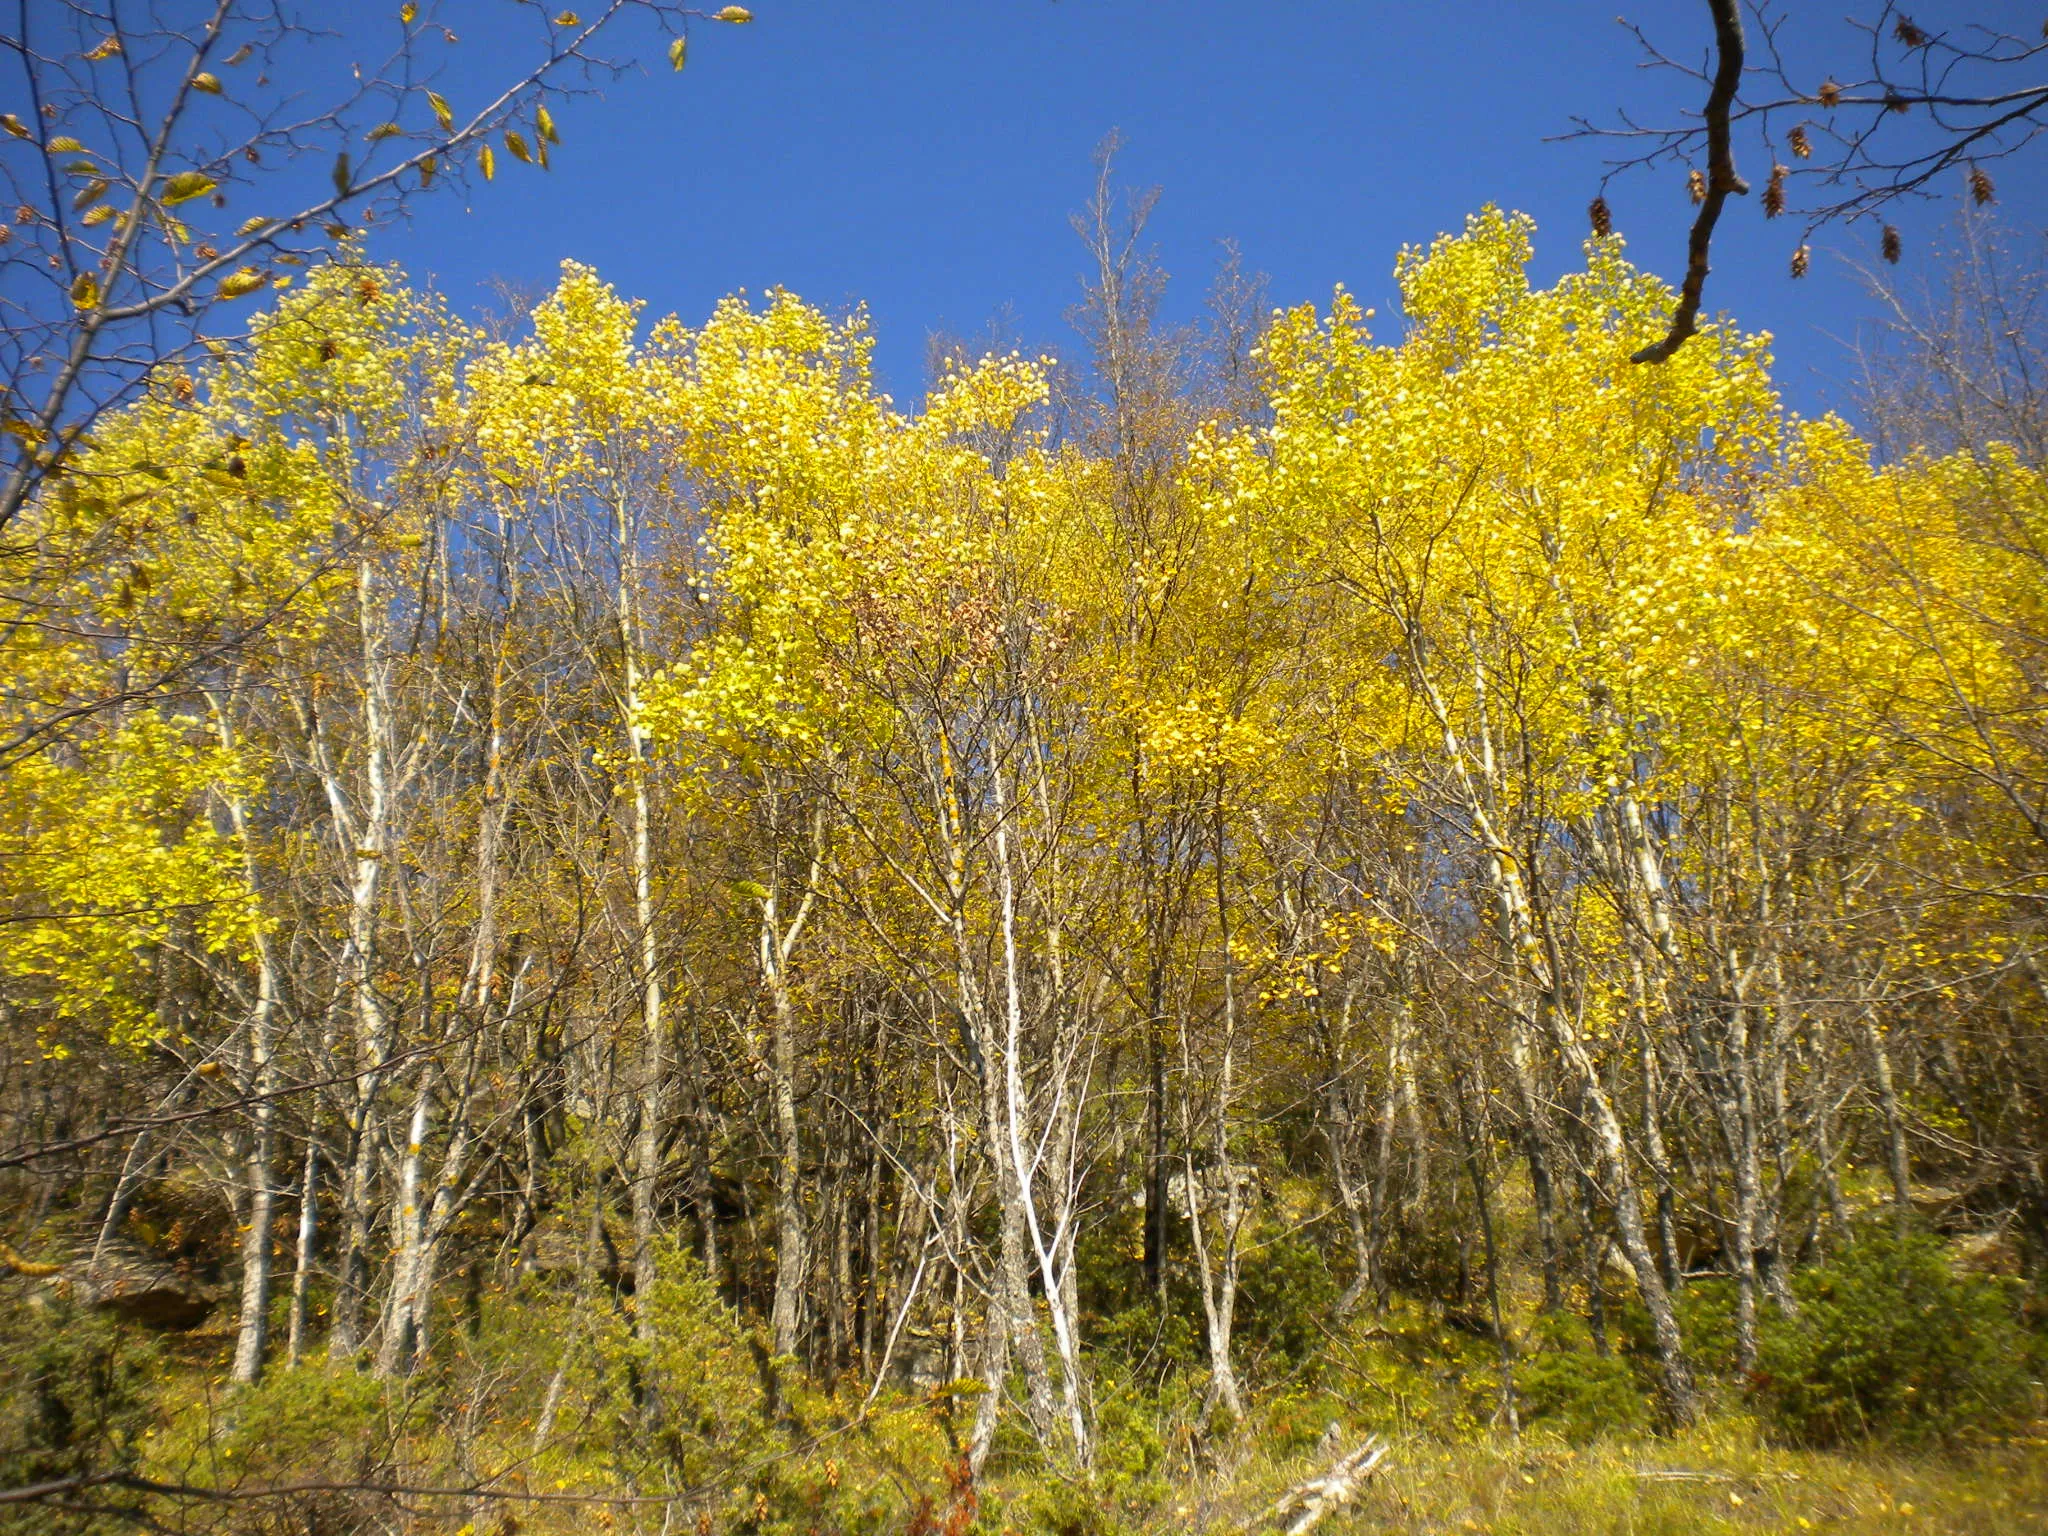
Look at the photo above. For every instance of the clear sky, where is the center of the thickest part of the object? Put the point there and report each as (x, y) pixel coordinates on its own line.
(923, 157)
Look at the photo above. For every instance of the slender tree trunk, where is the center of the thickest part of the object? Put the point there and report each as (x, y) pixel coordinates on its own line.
(1340, 1132)
(792, 1260)
(259, 1079)
(1067, 1097)
(400, 1335)
(302, 1251)
(1536, 957)
(646, 1156)
(792, 1255)
(1680, 1396)
(1898, 1163)
(1653, 1133)
(1217, 1265)
(366, 840)
(1472, 1124)
(1739, 1130)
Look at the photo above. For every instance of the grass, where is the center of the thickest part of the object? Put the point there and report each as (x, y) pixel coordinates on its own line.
(820, 1465)
(1720, 1479)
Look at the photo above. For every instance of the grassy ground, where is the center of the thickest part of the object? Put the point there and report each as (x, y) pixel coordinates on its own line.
(1719, 1480)
(1722, 1478)
(321, 1447)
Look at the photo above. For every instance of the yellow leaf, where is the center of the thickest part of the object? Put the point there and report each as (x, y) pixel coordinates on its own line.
(242, 280)
(108, 47)
(64, 144)
(13, 125)
(90, 193)
(428, 167)
(250, 226)
(407, 11)
(21, 1266)
(516, 146)
(442, 113)
(185, 186)
(677, 51)
(207, 83)
(486, 162)
(544, 124)
(734, 13)
(384, 131)
(85, 291)
(99, 215)
(568, 19)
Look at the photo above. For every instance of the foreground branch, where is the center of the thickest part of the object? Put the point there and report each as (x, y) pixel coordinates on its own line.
(1721, 180)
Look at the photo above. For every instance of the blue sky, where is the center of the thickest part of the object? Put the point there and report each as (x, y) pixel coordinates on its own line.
(923, 157)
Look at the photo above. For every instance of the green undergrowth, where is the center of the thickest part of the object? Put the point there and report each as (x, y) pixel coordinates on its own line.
(1902, 1396)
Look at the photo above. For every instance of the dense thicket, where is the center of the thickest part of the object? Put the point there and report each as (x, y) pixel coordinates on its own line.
(664, 874)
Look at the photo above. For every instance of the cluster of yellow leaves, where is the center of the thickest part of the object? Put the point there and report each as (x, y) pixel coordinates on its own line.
(1301, 976)
(111, 859)
(1568, 581)
(218, 515)
(1496, 531)
(842, 535)
(1199, 735)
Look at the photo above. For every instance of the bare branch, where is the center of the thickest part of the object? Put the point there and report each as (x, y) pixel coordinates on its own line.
(1722, 179)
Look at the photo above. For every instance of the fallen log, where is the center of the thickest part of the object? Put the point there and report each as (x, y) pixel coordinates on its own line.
(1304, 1505)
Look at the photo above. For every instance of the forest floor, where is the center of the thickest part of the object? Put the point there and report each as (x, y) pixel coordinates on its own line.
(1722, 1478)
(809, 1461)
(1719, 1480)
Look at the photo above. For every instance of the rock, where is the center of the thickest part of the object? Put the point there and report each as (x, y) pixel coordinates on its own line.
(556, 1246)
(128, 1282)
(1214, 1185)
(142, 1288)
(1984, 1253)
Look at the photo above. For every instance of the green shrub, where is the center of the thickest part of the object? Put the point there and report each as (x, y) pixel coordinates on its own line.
(1891, 1344)
(317, 1420)
(1294, 1420)
(331, 1429)
(1706, 1306)
(74, 1392)
(1285, 1295)
(1140, 1339)
(1403, 1371)
(1131, 1430)
(698, 1397)
(1054, 1506)
(1581, 1394)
